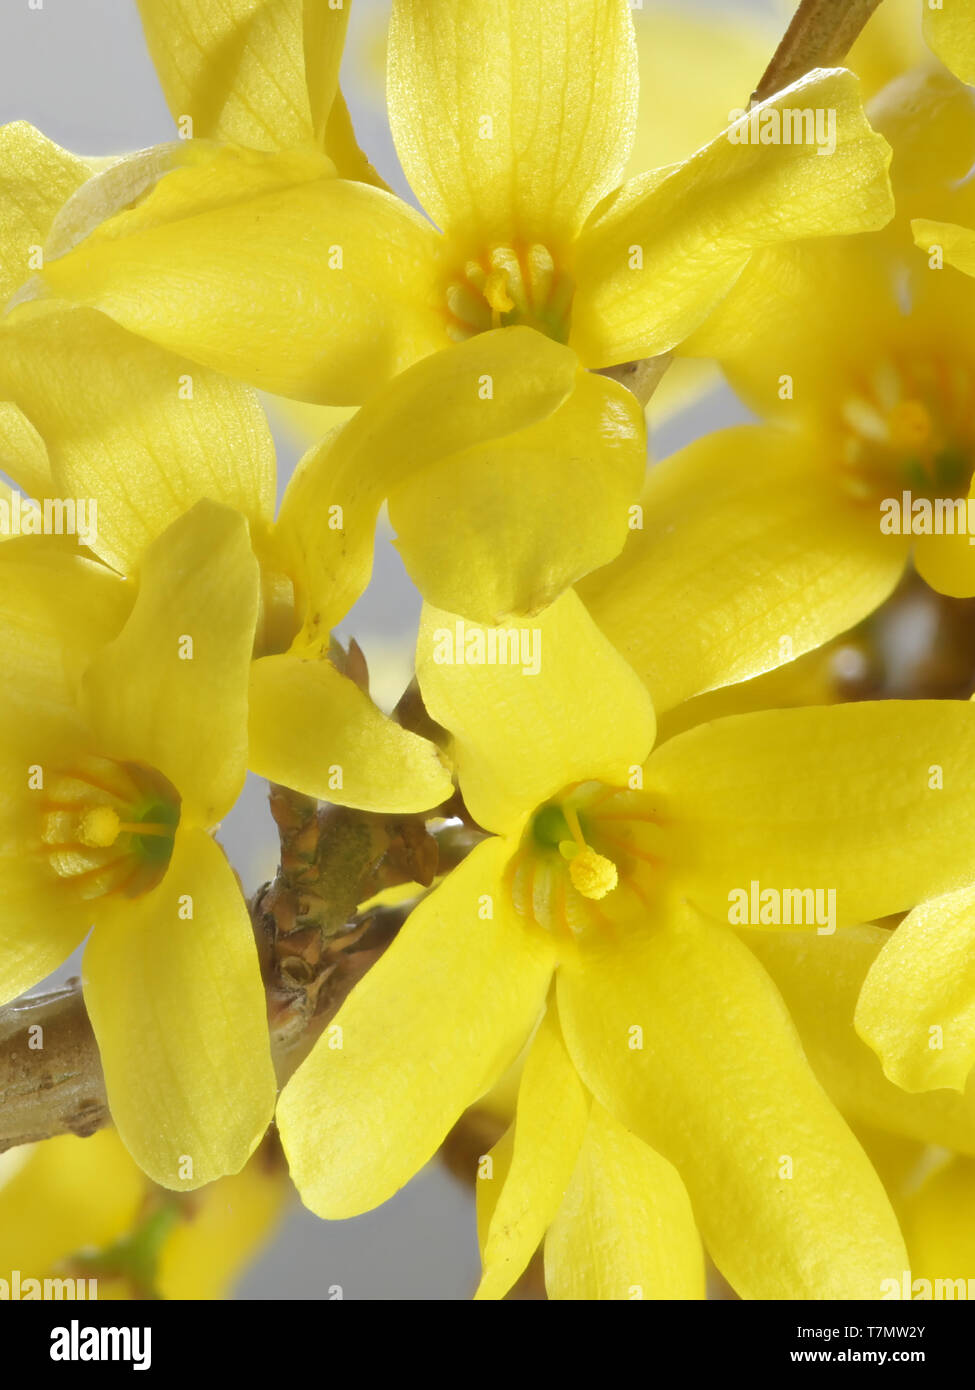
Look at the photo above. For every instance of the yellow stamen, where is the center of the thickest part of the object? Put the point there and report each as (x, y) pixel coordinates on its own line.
(99, 827)
(496, 293)
(592, 874)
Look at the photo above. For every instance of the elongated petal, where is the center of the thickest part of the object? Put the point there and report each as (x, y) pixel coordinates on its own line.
(253, 72)
(141, 433)
(787, 1201)
(493, 386)
(750, 554)
(946, 563)
(508, 124)
(56, 611)
(174, 994)
(24, 453)
(917, 1008)
(870, 802)
(626, 1229)
(939, 1223)
(71, 1194)
(36, 177)
(551, 1119)
(429, 1029)
(820, 978)
(950, 31)
(694, 67)
(662, 254)
(957, 244)
(313, 729)
(267, 269)
(529, 514)
(204, 1255)
(171, 690)
(554, 704)
(40, 925)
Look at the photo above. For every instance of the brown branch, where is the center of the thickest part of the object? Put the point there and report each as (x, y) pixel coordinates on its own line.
(55, 1088)
(821, 34)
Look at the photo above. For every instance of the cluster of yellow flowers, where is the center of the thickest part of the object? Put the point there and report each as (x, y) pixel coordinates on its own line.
(712, 956)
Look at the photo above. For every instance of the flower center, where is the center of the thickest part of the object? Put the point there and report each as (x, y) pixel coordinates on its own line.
(510, 286)
(107, 827)
(586, 859)
(910, 428)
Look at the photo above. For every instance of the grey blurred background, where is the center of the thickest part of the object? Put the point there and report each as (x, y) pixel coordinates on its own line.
(79, 70)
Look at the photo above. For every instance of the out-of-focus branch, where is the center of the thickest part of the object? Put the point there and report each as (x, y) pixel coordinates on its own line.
(821, 34)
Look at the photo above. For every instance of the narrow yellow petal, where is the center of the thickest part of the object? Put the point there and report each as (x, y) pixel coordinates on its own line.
(36, 177)
(869, 801)
(313, 729)
(662, 254)
(750, 554)
(490, 387)
(71, 1194)
(252, 72)
(820, 978)
(510, 124)
(340, 276)
(950, 31)
(171, 690)
(786, 1200)
(626, 1229)
(56, 611)
(40, 925)
(557, 704)
(222, 1233)
(429, 1030)
(955, 244)
(530, 513)
(173, 990)
(551, 1118)
(917, 1008)
(24, 452)
(112, 409)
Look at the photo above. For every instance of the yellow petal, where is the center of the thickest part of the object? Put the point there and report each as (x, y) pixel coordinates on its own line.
(820, 978)
(553, 1110)
(787, 1201)
(917, 1008)
(694, 68)
(171, 690)
(113, 409)
(889, 45)
(750, 554)
(950, 31)
(662, 254)
(508, 124)
(625, 1229)
(556, 705)
(339, 276)
(956, 244)
(313, 729)
(939, 1223)
(430, 1028)
(24, 452)
(492, 386)
(174, 994)
(36, 177)
(222, 1233)
(40, 925)
(252, 72)
(56, 611)
(69, 1195)
(530, 513)
(946, 563)
(869, 801)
